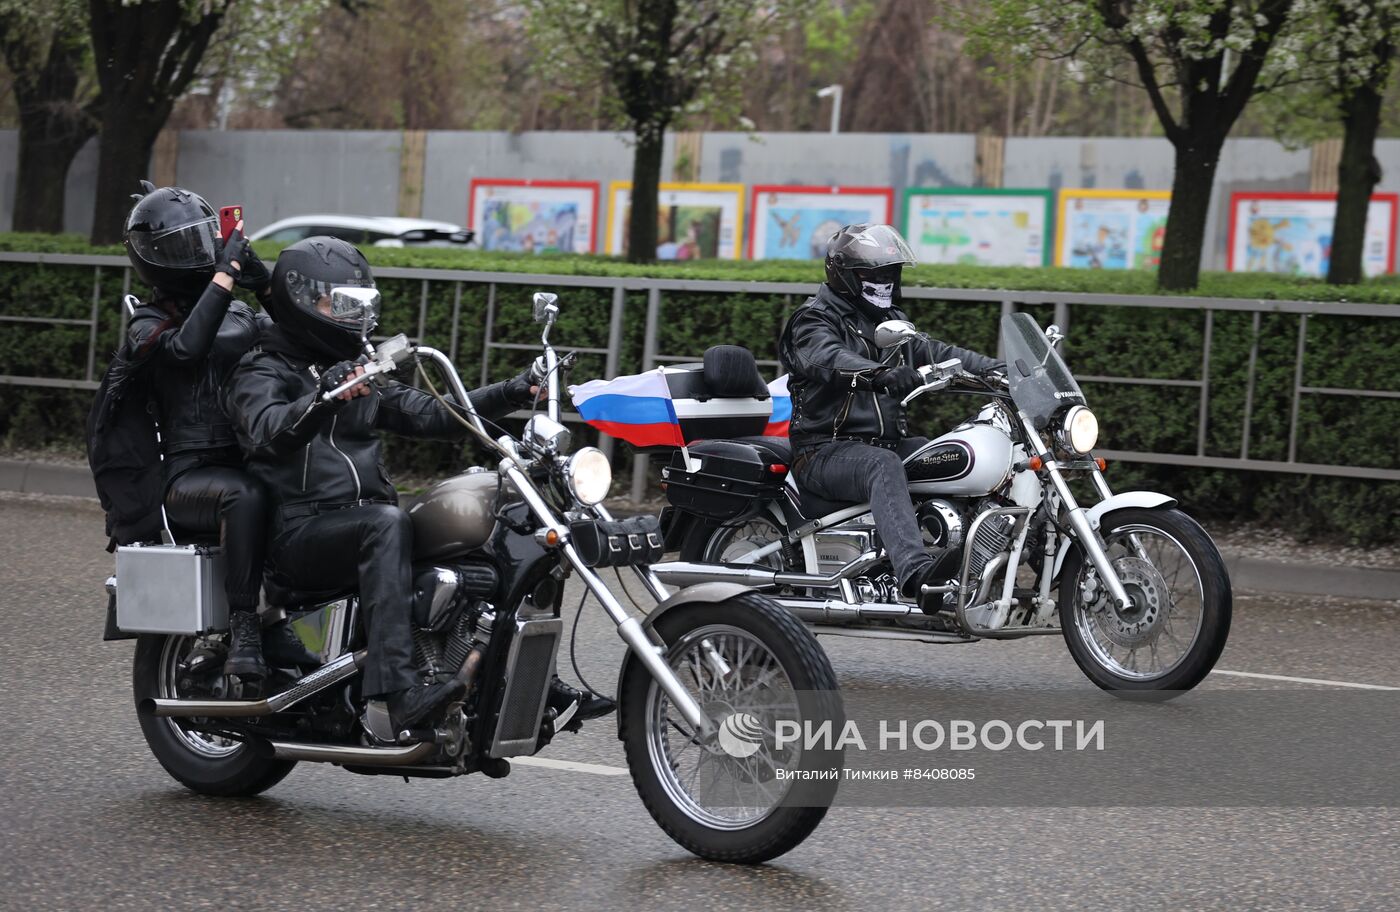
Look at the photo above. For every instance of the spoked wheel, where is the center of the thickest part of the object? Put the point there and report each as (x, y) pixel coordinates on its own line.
(206, 763)
(1169, 638)
(733, 796)
(712, 542)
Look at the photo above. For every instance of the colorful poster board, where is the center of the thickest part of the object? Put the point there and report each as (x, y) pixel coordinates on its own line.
(1111, 229)
(977, 226)
(533, 216)
(794, 223)
(695, 221)
(1291, 233)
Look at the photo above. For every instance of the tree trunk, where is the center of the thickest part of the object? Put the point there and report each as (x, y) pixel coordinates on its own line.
(47, 146)
(646, 180)
(1357, 175)
(124, 159)
(1196, 160)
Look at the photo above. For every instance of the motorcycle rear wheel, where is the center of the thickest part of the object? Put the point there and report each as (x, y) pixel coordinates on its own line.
(777, 670)
(201, 762)
(1172, 636)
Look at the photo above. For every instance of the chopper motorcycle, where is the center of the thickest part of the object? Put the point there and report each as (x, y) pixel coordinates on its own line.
(492, 550)
(1135, 586)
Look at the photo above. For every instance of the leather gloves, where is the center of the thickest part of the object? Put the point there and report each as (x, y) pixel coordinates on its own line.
(235, 248)
(899, 381)
(517, 388)
(336, 375)
(256, 277)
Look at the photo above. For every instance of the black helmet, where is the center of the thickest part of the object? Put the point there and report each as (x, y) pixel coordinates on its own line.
(322, 293)
(863, 264)
(172, 239)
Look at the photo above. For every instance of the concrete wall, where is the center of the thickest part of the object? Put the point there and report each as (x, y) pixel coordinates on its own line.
(280, 173)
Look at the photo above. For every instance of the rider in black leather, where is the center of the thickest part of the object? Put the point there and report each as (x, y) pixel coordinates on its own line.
(190, 336)
(848, 430)
(336, 523)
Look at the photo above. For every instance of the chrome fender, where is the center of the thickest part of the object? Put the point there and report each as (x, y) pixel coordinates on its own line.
(1147, 500)
(700, 592)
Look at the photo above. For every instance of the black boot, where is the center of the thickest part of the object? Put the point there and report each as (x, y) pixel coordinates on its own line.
(284, 649)
(412, 705)
(943, 569)
(245, 657)
(587, 705)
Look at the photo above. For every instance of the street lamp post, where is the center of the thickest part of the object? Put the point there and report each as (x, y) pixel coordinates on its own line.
(834, 93)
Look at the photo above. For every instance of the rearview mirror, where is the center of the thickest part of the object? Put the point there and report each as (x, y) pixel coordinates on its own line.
(893, 332)
(545, 307)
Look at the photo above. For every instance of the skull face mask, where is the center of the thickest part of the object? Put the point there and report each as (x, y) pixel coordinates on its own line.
(881, 294)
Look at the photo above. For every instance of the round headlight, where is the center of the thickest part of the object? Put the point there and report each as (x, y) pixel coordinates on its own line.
(1081, 429)
(589, 474)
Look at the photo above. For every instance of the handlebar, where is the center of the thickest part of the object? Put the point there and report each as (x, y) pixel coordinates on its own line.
(387, 357)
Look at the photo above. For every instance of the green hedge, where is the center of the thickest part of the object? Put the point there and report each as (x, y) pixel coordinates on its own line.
(1342, 352)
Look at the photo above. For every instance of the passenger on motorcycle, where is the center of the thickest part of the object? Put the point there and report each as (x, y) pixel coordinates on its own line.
(187, 340)
(849, 430)
(336, 522)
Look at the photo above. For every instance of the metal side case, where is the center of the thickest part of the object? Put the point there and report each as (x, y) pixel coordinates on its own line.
(171, 589)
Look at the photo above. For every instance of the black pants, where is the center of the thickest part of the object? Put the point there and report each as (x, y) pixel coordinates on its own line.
(370, 549)
(846, 470)
(203, 498)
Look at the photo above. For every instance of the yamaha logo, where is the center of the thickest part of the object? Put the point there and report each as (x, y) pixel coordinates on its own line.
(1067, 394)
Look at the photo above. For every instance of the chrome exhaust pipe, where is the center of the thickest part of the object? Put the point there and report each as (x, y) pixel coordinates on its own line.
(328, 675)
(835, 612)
(687, 573)
(349, 755)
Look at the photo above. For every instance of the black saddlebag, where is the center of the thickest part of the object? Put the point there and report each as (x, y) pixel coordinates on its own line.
(725, 479)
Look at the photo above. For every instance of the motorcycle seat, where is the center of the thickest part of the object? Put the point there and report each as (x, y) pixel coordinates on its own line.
(281, 595)
(813, 506)
(777, 449)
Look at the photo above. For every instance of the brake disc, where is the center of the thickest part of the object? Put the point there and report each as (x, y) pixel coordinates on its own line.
(1138, 624)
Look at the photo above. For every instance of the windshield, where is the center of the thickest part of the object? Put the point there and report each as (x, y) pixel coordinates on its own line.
(1041, 384)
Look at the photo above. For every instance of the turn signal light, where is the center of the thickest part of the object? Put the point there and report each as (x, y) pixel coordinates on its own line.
(1101, 462)
(1035, 464)
(551, 538)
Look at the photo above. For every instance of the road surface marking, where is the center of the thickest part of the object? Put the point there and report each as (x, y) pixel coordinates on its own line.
(570, 765)
(1292, 680)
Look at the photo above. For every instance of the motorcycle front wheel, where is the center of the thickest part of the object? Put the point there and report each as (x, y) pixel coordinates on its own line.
(740, 796)
(205, 763)
(1169, 639)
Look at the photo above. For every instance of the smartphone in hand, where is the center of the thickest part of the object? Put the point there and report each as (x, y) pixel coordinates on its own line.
(229, 217)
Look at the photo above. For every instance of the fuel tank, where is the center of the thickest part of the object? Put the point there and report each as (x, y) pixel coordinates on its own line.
(455, 515)
(971, 460)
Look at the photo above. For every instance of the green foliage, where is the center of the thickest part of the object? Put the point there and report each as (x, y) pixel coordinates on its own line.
(1341, 352)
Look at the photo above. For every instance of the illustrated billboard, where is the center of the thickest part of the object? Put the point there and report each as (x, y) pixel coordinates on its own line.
(694, 221)
(980, 227)
(534, 216)
(1291, 233)
(794, 223)
(1111, 229)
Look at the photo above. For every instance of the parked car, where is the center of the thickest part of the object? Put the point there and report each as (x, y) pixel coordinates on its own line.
(370, 230)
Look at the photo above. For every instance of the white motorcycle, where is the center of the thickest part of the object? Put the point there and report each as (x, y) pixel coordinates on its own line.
(1136, 587)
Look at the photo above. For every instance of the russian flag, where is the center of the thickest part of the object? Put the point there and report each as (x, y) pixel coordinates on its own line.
(782, 408)
(635, 408)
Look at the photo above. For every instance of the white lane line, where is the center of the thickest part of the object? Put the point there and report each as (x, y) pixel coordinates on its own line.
(1292, 680)
(572, 766)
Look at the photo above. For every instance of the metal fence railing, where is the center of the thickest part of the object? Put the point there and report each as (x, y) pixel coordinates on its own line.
(655, 291)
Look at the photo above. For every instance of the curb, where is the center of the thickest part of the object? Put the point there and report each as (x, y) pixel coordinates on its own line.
(31, 477)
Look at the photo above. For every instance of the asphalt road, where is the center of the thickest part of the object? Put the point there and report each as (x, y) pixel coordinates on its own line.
(89, 820)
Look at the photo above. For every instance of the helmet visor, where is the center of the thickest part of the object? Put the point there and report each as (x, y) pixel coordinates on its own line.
(351, 304)
(189, 246)
(877, 246)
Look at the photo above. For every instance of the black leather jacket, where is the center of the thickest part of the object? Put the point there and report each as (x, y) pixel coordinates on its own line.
(311, 453)
(828, 347)
(188, 363)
